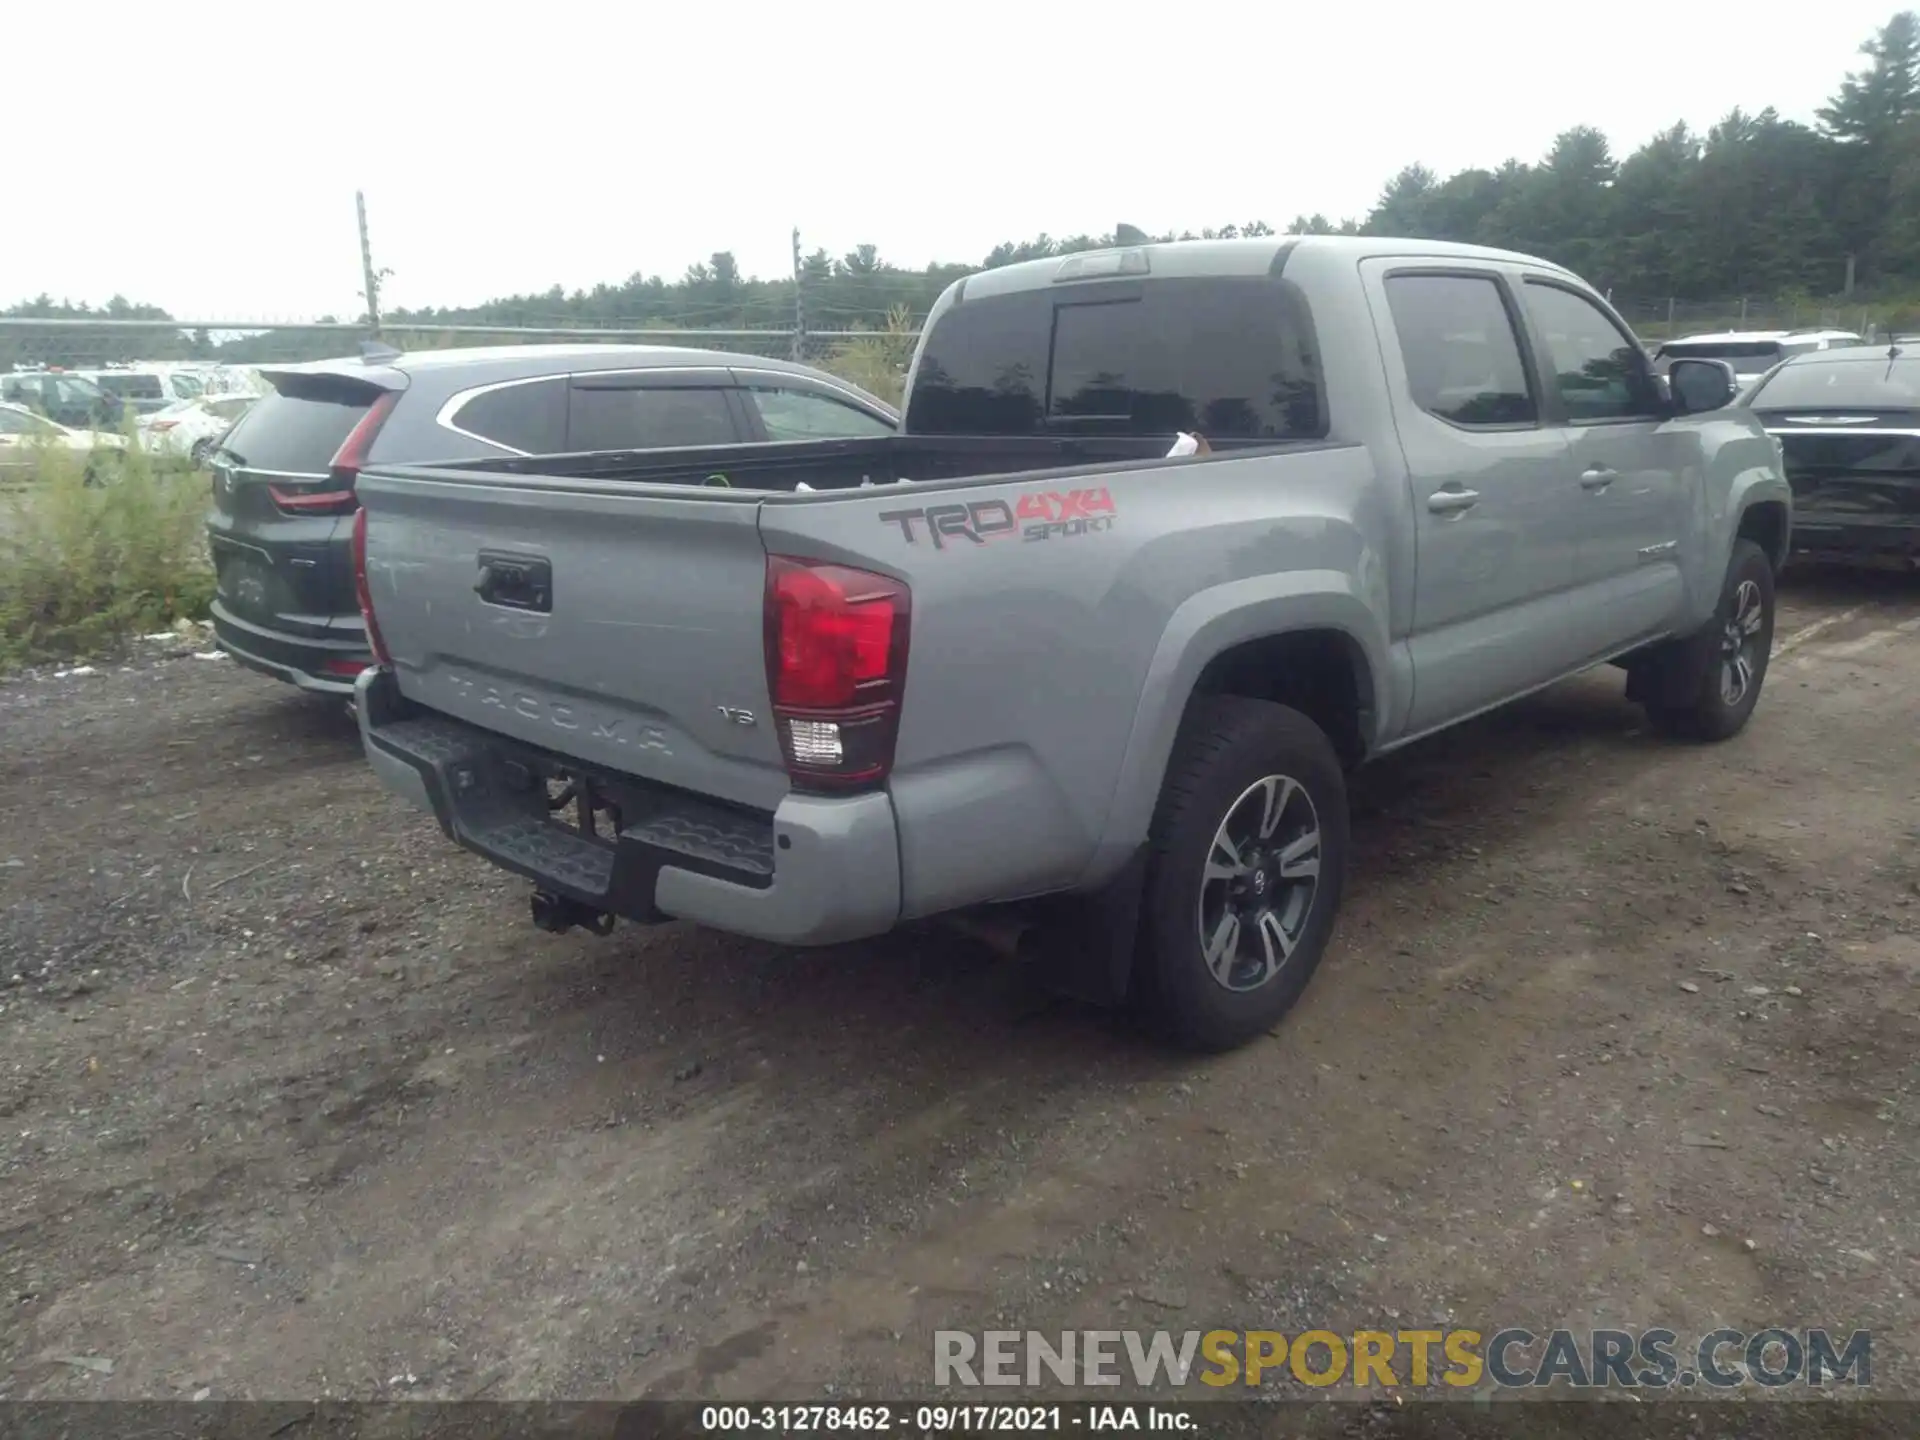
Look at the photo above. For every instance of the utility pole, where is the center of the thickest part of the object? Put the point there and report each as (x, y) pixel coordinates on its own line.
(366, 265)
(1847, 289)
(799, 303)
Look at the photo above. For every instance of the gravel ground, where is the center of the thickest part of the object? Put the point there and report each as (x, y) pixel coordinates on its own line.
(294, 1102)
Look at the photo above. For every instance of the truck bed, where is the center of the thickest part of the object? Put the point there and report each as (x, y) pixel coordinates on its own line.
(783, 467)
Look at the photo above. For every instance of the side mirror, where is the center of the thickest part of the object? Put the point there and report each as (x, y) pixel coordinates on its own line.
(1700, 385)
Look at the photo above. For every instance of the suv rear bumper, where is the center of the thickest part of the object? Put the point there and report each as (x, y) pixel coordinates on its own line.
(817, 871)
(295, 659)
(1816, 538)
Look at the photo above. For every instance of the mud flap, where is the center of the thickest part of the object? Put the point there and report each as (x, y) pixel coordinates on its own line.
(1082, 946)
(1672, 673)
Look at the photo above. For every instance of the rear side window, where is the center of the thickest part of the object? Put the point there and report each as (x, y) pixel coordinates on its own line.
(1231, 357)
(1460, 349)
(531, 418)
(647, 419)
(298, 434)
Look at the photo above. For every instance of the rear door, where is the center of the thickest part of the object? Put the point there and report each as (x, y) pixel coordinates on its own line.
(1493, 490)
(653, 409)
(1601, 392)
(278, 563)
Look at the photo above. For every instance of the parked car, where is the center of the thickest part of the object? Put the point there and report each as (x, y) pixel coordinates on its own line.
(192, 427)
(1848, 424)
(22, 432)
(283, 478)
(1034, 652)
(67, 399)
(1754, 352)
(141, 392)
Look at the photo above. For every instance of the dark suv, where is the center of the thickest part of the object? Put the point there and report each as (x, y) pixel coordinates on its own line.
(283, 499)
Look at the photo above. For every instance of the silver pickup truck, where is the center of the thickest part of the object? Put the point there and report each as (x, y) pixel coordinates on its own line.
(1020, 656)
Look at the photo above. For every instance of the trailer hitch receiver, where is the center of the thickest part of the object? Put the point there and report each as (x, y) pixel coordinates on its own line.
(557, 914)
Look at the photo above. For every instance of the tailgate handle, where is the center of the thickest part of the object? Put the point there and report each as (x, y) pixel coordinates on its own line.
(516, 582)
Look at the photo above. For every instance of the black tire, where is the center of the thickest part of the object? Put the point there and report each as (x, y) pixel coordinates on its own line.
(1229, 753)
(198, 456)
(1713, 679)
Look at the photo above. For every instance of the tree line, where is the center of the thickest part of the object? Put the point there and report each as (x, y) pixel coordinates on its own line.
(1756, 205)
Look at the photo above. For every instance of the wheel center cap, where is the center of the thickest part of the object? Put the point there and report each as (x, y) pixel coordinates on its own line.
(1259, 882)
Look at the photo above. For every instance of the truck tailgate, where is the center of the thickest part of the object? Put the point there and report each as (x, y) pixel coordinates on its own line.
(619, 627)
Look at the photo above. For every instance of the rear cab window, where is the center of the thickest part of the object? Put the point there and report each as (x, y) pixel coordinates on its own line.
(1230, 357)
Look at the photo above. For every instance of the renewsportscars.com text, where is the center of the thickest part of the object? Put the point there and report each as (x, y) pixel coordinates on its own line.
(1512, 1358)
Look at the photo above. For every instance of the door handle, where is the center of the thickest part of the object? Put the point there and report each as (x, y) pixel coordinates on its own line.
(1598, 478)
(1452, 502)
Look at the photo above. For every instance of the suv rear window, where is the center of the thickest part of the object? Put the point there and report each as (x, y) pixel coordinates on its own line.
(137, 387)
(1764, 350)
(298, 434)
(1232, 357)
(1850, 384)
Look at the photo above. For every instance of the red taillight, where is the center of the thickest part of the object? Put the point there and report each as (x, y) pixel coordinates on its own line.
(338, 497)
(363, 593)
(836, 670)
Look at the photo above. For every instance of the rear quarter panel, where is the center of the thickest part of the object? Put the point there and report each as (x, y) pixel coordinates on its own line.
(1048, 669)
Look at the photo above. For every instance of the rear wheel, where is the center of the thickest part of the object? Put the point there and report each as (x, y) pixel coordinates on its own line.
(1720, 671)
(1249, 858)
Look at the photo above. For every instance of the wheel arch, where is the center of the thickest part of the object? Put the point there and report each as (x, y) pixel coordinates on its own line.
(1317, 646)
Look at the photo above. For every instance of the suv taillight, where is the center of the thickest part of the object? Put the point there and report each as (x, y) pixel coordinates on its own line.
(836, 670)
(363, 593)
(338, 498)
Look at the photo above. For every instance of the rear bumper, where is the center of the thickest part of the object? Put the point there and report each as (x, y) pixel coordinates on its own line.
(1815, 538)
(817, 871)
(295, 659)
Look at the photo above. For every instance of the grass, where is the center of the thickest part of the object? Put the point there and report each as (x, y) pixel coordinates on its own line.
(877, 364)
(83, 565)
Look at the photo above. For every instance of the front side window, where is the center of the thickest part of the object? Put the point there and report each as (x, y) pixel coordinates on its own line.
(802, 415)
(1601, 373)
(647, 418)
(1231, 357)
(1461, 352)
(185, 386)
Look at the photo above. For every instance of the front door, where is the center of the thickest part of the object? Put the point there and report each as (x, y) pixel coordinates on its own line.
(1630, 463)
(1495, 503)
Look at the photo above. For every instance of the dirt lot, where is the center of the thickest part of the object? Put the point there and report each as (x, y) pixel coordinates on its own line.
(293, 1101)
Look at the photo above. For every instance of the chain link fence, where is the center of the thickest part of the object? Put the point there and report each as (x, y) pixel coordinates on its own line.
(873, 355)
(870, 350)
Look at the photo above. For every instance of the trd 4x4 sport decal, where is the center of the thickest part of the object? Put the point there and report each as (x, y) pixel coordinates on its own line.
(1036, 515)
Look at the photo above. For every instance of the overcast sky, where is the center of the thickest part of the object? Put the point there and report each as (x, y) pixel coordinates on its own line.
(205, 158)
